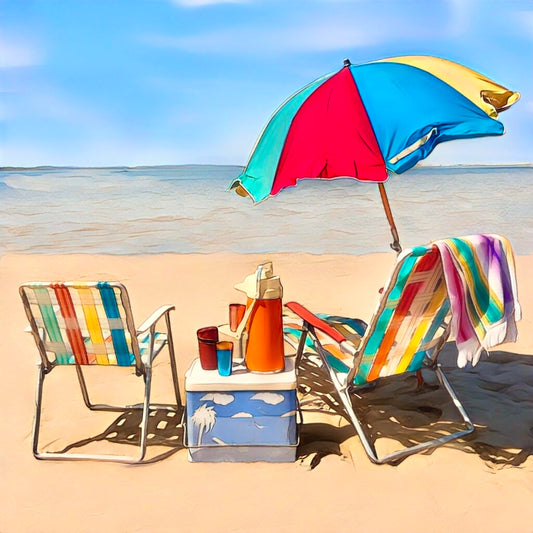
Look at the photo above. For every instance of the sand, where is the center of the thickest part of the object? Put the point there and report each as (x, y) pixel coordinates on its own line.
(485, 484)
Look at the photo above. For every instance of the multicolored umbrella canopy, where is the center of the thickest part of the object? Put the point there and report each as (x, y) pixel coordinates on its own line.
(370, 119)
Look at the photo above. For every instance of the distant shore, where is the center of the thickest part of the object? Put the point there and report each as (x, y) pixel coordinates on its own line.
(118, 167)
(211, 165)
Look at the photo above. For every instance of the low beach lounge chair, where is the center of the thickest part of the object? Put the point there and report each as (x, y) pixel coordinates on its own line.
(406, 333)
(414, 318)
(91, 323)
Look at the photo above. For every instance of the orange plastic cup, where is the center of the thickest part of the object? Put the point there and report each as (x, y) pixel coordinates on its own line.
(236, 314)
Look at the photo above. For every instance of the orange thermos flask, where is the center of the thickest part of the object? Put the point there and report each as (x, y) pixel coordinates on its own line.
(264, 323)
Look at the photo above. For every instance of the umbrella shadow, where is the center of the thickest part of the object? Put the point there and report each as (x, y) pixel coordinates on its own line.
(497, 394)
(165, 428)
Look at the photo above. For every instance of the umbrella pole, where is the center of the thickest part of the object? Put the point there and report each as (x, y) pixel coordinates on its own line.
(395, 245)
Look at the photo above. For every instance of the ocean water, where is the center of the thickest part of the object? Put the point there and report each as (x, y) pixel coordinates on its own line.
(188, 209)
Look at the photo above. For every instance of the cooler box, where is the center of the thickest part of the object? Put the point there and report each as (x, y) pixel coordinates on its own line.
(244, 417)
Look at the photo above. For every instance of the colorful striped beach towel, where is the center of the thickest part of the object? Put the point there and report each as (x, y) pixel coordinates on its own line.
(481, 283)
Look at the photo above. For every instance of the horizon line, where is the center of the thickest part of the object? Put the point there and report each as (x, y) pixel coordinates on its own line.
(110, 167)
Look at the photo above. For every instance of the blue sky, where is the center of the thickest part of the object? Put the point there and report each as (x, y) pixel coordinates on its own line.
(147, 82)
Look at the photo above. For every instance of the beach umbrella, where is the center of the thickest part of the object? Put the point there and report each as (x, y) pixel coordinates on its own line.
(366, 121)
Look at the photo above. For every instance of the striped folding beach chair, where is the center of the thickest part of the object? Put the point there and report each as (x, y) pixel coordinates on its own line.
(407, 331)
(91, 323)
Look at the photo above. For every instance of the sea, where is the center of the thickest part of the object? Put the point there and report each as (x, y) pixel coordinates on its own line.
(190, 209)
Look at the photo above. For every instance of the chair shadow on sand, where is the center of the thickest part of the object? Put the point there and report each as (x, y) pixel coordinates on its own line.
(497, 394)
(165, 428)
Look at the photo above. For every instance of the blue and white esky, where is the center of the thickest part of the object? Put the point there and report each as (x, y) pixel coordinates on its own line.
(152, 82)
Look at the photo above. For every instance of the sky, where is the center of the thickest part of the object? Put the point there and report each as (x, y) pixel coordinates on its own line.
(169, 82)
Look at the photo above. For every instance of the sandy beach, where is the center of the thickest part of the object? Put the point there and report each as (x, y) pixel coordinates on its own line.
(483, 485)
(175, 145)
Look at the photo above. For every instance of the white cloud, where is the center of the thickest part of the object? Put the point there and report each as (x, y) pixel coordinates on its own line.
(15, 53)
(218, 398)
(271, 398)
(242, 415)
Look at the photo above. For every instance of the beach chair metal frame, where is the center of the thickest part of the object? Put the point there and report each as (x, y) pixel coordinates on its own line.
(344, 381)
(142, 362)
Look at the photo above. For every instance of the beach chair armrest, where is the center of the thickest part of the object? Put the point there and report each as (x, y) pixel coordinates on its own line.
(42, 332)
(154, 318)
(317, 323)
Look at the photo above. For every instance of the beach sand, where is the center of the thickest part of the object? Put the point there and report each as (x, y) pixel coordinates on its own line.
(485, 484)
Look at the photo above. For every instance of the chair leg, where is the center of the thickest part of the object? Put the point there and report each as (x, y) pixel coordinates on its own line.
(344, 394)
(446, 384)
(343, 388)
(83, 387)
(146, 412)
(146, 407)
(98, 406)
(395, 456)
(120, 408)
(173, 366)
(301, 343)
(38, 406)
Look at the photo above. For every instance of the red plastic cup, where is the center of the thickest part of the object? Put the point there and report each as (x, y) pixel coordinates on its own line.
(207, 347)
(236, 314)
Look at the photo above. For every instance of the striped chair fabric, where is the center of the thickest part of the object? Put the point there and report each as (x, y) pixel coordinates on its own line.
(404, 327)
(87, 323)
(406, 323)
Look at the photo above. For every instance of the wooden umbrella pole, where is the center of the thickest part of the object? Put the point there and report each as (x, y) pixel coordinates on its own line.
(395, 245)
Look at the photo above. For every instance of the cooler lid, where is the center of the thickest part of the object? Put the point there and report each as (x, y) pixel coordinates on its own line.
(198, 379)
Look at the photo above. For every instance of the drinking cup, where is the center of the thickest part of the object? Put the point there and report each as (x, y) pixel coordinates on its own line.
(207, 347)
(224, 357)
(236, 314)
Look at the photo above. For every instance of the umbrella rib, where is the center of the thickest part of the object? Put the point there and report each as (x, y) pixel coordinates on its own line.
(414, 146)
